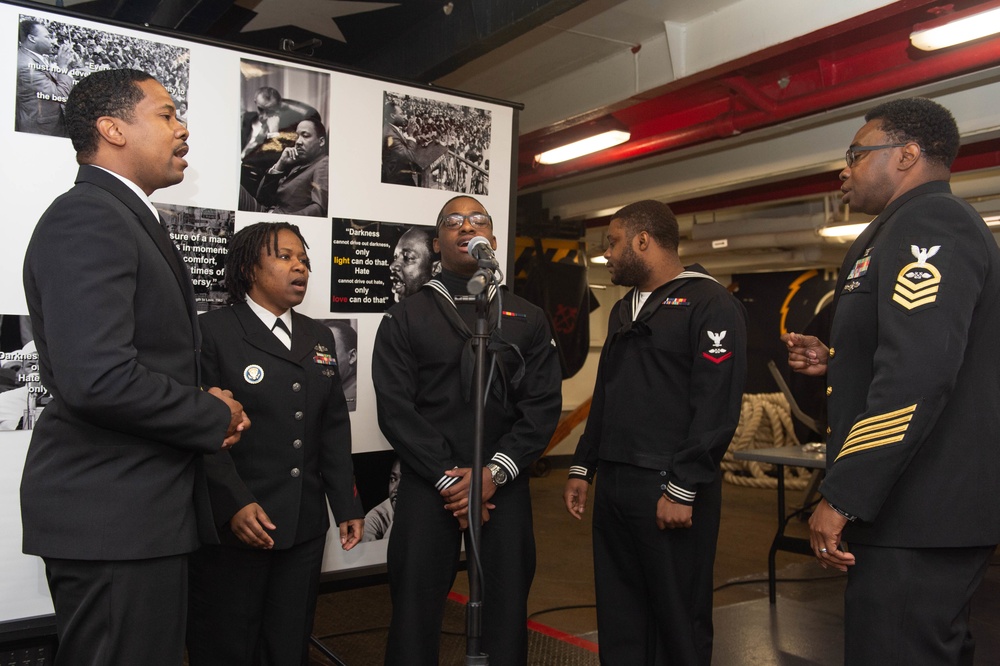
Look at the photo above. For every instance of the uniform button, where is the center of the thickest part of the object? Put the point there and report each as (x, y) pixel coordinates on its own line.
(829, 390)
(662, 473)
(295, 472)
(833, 352)
(296, 387)
(663, 486)
(829, 430)
(299, 415)
(297, 444)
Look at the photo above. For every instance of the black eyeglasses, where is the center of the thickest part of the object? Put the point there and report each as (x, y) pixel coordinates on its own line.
(853, 152)
(456, 220)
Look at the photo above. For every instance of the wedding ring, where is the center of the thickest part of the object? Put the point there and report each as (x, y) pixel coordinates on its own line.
(822, 550)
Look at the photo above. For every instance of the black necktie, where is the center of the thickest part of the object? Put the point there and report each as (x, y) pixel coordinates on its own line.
(282, 333)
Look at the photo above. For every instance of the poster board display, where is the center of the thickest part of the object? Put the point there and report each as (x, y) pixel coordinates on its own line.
(372, 161)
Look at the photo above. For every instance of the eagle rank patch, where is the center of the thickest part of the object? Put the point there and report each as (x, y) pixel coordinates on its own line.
(717, 354)
(918, 282)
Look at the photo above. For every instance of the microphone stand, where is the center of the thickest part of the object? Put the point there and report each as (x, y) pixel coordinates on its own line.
(474, 611)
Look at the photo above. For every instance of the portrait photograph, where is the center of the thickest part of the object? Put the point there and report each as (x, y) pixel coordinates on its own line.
(284, 142)
(345, 334)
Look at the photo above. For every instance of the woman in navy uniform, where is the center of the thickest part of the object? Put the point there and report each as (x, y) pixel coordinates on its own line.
(253, 596)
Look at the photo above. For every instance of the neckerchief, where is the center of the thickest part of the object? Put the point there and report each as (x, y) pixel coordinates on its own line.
(630, 326)
(495, 346)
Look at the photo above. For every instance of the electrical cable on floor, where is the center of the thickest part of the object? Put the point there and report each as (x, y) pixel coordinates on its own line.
(356, 632)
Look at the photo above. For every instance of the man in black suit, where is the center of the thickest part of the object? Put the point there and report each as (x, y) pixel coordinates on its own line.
(912, 457)
(107, 494)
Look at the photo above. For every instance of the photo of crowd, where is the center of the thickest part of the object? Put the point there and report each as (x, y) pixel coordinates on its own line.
(52, 56)
(284, 151)
(436, 145)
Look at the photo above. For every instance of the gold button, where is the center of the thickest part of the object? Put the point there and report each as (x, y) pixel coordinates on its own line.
(829, 390)
(833, 352)
(828, 430)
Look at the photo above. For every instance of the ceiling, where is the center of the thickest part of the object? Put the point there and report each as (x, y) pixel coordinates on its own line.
(739, 110)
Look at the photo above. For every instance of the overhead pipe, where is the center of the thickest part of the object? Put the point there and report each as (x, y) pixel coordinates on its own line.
(938, 66)
(783, 259)
(804, 220)
(758, 241)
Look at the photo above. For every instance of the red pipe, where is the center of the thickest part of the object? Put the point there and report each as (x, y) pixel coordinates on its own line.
(930, 68)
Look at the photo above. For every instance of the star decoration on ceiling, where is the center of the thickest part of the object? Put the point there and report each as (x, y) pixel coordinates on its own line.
(310, 14)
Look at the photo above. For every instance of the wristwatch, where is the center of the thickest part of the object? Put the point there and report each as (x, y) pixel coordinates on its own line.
(498, 473)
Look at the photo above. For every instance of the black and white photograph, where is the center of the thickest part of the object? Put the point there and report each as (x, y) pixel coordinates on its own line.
(376, 264)
(52, 56)
(377, 475)
(345, 334)
(284, 143)
(297, 118)
(22, 396)
(414, 261)
(435, 145)
(378, 519)
(202, 237)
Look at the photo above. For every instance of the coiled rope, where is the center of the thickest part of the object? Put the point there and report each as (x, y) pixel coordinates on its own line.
(765, 421)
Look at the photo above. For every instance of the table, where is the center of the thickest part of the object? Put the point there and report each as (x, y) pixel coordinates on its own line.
(779, 456)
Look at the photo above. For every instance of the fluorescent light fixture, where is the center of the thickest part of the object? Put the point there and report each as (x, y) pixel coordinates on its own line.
(583, 147)
(854, 230)
(599, 259)
(843, 230)
(957, 31)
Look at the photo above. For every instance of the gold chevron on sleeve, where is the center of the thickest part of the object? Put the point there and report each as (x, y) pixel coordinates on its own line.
(917, 284)
(877, 430)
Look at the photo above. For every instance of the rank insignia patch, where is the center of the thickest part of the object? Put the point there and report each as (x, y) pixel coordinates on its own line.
(918, 282)
(717, 354)
(878, 430)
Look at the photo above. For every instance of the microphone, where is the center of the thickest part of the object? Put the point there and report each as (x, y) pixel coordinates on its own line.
(480, 248)
(479, 281)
